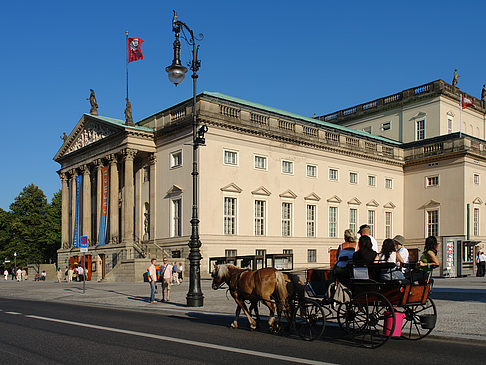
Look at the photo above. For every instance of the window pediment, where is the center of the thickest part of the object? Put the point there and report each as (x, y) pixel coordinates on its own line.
(261, 191)
(430, 204)
(419, 115)
(334, 199)
(232, 188)
(389, 205)
(288, 194)
(372, 203)
(354, 201)
(478, 200)
(175, 190)
(313, 196)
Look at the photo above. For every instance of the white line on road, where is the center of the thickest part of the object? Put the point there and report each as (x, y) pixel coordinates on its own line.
(186, 342)
(12, 313)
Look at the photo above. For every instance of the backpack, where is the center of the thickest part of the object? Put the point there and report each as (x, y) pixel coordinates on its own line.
(146, 277)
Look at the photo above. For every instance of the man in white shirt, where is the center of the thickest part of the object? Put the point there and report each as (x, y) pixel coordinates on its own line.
(481, 264)
(399, 241)
(80, 273)
(364, 230)
(152, 280)
(166, 274)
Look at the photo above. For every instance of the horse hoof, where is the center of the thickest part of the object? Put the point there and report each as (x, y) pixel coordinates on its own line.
(233, 326)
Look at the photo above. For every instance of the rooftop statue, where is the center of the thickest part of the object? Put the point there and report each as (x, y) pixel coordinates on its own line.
(93, 103)
(64, 137)
(455, 79)
(128, 113)
(483, 93)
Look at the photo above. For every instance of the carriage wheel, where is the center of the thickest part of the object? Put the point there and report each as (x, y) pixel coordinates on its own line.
(412, 327)
(309, 319)
(369, 319)
(343, 314)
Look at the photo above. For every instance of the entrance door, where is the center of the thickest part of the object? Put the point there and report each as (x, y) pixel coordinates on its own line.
(103, 262)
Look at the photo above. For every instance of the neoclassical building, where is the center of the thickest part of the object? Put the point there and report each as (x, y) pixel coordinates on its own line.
(274, 182)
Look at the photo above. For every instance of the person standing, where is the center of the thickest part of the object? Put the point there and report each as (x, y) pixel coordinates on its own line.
(152, 279)
(19, 274)
(80, 273)
(24, 274)
(59, 275)
(175, 273)
(70, 274)
(365, 230)
(166, 275)
(5, 274)
(181, 271)
(481, 264)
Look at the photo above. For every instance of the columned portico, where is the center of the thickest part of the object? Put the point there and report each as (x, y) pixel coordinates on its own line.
(114, 233)
(65, 211)
(87, 203)
(128, 199)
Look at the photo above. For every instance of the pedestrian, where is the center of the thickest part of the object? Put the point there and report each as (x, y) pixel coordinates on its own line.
(80, 273)
(5, 274)
(70, 274)
(481, 264)
(14, 273)
(181, 271)
(24, 274)
(43, 275)
(59, 275)
(152, 276)
(175, 274)
(19, 274)
(365, 230)
(166, 275)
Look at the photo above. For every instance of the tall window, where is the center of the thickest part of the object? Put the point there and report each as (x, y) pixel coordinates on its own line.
(433, 223)
(229, 216)
(311, 255)
(176, 159)
(476, 221)
(388, 224)
(286, 219)
(311, 170)
(353, 177)
(230, 157)
(476, 179)
(449, 125)
(372, 221)
(260, 162)
(333, 174)
(311, 220)
(333, 216)
(287, 167)
(353, 219)
(420, 129)
(389, 183)
(260, 217)
(371, 180)
(176, 218)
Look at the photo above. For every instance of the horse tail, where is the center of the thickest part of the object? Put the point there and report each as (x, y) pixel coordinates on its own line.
(282, 288)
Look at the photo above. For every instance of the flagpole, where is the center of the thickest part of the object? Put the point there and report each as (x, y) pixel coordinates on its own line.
(127, 59)
(460, 116)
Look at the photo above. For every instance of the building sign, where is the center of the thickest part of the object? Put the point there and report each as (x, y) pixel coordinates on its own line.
(83, 243)
(76, 218)
(104, 205)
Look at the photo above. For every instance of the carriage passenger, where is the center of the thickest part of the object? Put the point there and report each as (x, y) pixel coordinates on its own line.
(388, 254)
(345, 253)
(365, 254)
(428, 259)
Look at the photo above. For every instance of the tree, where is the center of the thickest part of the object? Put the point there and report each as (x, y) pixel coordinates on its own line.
(53, 228)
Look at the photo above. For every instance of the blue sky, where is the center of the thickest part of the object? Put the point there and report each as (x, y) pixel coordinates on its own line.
(302, 56)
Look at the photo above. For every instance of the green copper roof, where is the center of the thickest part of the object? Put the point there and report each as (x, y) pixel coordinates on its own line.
(297, 116)
(120, 123)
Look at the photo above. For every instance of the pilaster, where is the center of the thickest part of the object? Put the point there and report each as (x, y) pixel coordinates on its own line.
(128, 199)
(113, 212)
(87, 202)
(99, 186)
(152, 198)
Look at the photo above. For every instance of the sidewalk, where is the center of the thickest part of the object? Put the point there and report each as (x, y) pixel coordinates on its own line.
(461, 302)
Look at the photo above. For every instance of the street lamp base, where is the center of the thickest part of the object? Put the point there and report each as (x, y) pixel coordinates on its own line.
(195, 300)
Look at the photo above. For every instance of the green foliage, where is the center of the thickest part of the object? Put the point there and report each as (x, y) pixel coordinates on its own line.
(32, 227)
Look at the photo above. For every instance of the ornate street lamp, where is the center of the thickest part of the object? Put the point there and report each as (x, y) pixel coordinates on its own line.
(177, 73)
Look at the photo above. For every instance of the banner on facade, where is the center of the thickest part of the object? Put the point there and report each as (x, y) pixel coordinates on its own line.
(76, 216)
(104, 205)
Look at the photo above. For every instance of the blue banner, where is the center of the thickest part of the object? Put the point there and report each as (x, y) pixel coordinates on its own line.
(76, 219)
(104, 205)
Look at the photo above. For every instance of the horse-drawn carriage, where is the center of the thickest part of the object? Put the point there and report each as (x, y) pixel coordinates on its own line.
(368, 309)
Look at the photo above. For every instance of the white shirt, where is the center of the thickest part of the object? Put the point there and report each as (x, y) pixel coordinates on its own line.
(152, 273)
(80, 271)
(374, 244)
(392, 258)
(404, 254)
(482, 258)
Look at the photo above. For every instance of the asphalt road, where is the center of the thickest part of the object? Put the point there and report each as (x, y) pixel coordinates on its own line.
(59, 333)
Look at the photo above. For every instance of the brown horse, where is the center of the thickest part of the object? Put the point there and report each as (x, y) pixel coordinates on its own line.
(267, 285)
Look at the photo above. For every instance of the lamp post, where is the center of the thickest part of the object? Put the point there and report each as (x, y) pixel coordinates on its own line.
(177, 73)
(15, 260)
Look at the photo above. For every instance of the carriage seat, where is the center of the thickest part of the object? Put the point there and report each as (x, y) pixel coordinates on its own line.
(372, 273)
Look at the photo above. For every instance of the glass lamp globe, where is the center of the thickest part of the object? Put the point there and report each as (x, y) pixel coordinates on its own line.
(176, 73)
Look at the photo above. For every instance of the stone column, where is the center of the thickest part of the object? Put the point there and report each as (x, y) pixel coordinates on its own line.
(87, 203)
(99, 186)
(64, 211)
(74, 173)
(128, 199)
(113, 212)
(152, 198)
(138, 204)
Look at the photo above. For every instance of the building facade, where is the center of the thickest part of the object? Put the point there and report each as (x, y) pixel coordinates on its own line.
(274, 182)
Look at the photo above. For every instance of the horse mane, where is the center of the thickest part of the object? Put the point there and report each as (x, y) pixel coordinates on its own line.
(223, 270)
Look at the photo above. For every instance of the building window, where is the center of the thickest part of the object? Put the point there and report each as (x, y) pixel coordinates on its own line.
(260, 217)
(287, 167)
(389, 183)
(476, 179)
(367, 129)
(286, 219)
(311, 255)
(353, 177)
(385, 126)
(432, 223)
(229, 216)
(260, 162)
(432, 181)
(311, 170)
(388, 224)
(333, 174)
(476, 221)
(288, 251)
(146, 174)
(353, 219)
(260, 252)
(372, 221)
(176, 159)
(230, 158)
(311, 220)
(420, 129)
(230, 253)
(371, 180)
(449, 125)
(333, 216)
(176, 218)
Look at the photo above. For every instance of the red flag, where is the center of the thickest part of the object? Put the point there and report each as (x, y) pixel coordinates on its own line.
(466, 102)
(134, 51)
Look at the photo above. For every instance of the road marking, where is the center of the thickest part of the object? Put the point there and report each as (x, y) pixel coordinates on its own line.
(12, 313)
(186, 342)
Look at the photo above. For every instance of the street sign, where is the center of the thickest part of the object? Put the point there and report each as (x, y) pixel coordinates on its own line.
(83, 243)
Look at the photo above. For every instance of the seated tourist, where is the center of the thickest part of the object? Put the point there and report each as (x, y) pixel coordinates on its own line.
(345, 254)
(428, 259)
(388, 254)
(365, 254)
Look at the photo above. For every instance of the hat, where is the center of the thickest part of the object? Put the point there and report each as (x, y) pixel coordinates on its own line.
(349, 236)
(399, 239)
(363, 227)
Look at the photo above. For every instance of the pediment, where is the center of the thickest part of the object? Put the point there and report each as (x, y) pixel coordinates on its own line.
(334, 199)
(174, 191)
(313, 196)
(288, 194)
(261, 191)
(88, 130)
(450, 113)
(419, 116)
(478, 200)
(430, 204)
(389, 205)
(354, 201)
(232, 188)
(372, 203)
